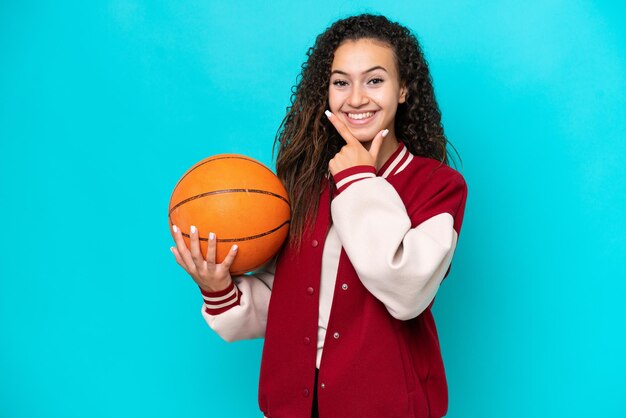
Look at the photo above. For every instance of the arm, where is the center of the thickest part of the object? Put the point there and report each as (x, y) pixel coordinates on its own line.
(240, 311)
(234, 307)
(401, 254)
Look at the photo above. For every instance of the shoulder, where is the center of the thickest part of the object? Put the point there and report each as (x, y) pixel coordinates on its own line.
(428, 188)
(423, 172)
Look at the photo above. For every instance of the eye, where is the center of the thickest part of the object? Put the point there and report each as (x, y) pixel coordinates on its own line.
(340, 83)
(376, 81)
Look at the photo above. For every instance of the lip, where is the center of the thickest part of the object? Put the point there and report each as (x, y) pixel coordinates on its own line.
(359, 122)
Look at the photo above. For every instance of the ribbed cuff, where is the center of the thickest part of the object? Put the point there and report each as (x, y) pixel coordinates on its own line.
(216, 303)
(346, 177)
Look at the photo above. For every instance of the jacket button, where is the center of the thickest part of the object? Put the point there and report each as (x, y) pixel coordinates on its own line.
(314, 243)
(305, 392)
(323, 385)
(344, 286)
(336, 335)
(307, 340)
(310, 290)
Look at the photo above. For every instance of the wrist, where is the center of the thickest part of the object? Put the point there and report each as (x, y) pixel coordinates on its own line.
(216, 286)
(346, 177)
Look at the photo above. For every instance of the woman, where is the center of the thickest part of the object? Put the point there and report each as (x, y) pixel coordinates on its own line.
(376, 212)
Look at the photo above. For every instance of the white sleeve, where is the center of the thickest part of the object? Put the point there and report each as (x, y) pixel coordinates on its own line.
(401, 266)
(240, 311)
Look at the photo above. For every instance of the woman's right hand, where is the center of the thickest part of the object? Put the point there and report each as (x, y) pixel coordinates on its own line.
(211, 277)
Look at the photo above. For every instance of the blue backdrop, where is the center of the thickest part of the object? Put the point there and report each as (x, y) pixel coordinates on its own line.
(104, 105)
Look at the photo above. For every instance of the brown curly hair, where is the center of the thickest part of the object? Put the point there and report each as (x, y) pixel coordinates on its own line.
(307, 141)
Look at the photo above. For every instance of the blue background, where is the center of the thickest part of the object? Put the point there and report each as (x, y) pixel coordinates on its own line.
(104, 105)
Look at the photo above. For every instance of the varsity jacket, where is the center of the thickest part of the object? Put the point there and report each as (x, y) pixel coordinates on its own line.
(396, 232)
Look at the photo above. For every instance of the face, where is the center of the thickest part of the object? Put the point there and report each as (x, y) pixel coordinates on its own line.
(365, 88)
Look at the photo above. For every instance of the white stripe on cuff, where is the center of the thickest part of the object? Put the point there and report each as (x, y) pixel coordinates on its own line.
(353, 178)
(209, 300)
(213, 307)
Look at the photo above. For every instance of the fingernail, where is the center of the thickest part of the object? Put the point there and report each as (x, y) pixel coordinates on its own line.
(175, 228)
(172, 250)
(193, 229)
(385, 132)
(235, 248)
(327, 112)
(211, 236)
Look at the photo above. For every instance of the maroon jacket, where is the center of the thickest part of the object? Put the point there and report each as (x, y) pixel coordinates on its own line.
(373, 365)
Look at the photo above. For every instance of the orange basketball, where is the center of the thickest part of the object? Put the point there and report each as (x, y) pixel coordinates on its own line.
(241, 201)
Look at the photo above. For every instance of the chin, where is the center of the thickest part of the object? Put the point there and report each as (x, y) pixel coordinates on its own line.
(365, 139)
(363, 133)
(365, 136)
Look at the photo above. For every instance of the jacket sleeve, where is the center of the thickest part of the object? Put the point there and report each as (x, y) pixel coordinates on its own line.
(240, 311)
(401, 251)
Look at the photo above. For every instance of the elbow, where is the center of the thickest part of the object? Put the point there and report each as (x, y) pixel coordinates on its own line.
(240, 335)
(228, 338)
(400, 315)
(446, 247)
(406, 307)
(405, 314)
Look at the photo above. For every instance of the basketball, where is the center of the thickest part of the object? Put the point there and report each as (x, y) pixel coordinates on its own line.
(241, 201)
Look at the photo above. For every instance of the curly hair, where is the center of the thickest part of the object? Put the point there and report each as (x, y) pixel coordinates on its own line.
(307, 141)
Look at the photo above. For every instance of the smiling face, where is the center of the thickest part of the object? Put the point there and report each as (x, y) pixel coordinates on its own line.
(364, 90)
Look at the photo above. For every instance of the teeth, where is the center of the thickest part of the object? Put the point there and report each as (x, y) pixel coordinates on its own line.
(360, 115)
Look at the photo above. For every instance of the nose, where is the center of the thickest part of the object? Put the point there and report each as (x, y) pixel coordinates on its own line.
(358, 97)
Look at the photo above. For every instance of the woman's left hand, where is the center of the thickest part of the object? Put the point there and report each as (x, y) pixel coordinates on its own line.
(353, 153)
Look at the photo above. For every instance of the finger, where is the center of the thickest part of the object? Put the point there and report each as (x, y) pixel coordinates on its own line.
(210, 252)
(377, 142)
(336, 164)
(341, 128)
(230, 257)
(196, 255)
(179, 260)
(182, 248)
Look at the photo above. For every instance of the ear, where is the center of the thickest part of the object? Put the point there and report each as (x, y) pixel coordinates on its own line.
(403, 94)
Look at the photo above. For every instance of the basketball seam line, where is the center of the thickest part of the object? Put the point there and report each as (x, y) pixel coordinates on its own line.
(198, 196)
(251, 237)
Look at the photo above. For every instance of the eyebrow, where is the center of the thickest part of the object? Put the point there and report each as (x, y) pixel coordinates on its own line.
(378, 67)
